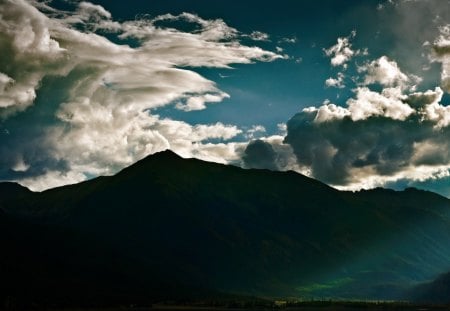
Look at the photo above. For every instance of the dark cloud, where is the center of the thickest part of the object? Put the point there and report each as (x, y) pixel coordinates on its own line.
(378, 146)
(27, 156)
(260, 154)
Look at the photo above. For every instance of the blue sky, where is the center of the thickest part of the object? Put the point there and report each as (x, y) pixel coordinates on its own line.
(353, 93)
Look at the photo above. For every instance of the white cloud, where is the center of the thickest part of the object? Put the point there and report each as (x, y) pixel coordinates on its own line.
(107, 115)
(52, 179)
(199, 102)
(211, 30)
(337, 82)
(327, 112)
(28, 54)
(389, 103)
(368, 178)
(282, 127)
(387, 73)
(341, 52)
(430, 108)
(254, 130)
(220, 153)
(259, 36)
(20, 166)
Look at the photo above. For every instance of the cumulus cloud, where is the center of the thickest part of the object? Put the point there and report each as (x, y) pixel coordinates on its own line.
(260, 154)
(269, 153)
(377, 139)
(105, 113)
(328, 112)
(342, 51)
(387, 73)
(199, 102)
(380, 137)
(383, 71)
(337, 82)
(388, 133)
(389, 103)
(432, 110)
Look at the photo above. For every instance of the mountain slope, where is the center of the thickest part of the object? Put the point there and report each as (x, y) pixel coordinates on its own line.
(254, 232)
(436, 291)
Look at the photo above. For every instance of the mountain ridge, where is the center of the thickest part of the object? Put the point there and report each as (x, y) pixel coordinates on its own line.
(169, 154)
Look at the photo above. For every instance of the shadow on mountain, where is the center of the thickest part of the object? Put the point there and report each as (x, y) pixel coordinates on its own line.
(437, 291)
(173, 228)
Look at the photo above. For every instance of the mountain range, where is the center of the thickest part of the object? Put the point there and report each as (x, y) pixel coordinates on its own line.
(168, 228)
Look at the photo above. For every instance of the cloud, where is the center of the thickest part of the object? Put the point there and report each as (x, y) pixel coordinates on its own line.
(107, 90)
(259, 36)
(386, 73)
(383, 71)
(288, 40)
(254, 131)
(269, 153)
(337, 82)
(441, 53)
(28, 54)
(388, 133)
(327, 112)
(389, 104)
(260, 154)
(410, 31)
(199, 102)
(378, 138)
(110, 144)
(341, 52)
(29, 158)
(432, 110)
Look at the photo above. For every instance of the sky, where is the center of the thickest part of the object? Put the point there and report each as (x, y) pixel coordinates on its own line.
(353, 93)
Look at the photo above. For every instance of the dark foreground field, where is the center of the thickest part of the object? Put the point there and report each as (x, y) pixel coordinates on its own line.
(267, 305)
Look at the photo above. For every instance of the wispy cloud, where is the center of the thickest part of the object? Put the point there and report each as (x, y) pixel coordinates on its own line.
(441, 53)
(106, 120)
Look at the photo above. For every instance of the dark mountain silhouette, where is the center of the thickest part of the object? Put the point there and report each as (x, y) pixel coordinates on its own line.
(173, 228)
(436, 291)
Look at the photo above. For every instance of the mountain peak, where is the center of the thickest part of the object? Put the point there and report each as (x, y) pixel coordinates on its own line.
(160, 155)
(165, 153)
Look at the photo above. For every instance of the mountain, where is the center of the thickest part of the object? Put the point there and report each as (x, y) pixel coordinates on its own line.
(174, 228)
(436, 291)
